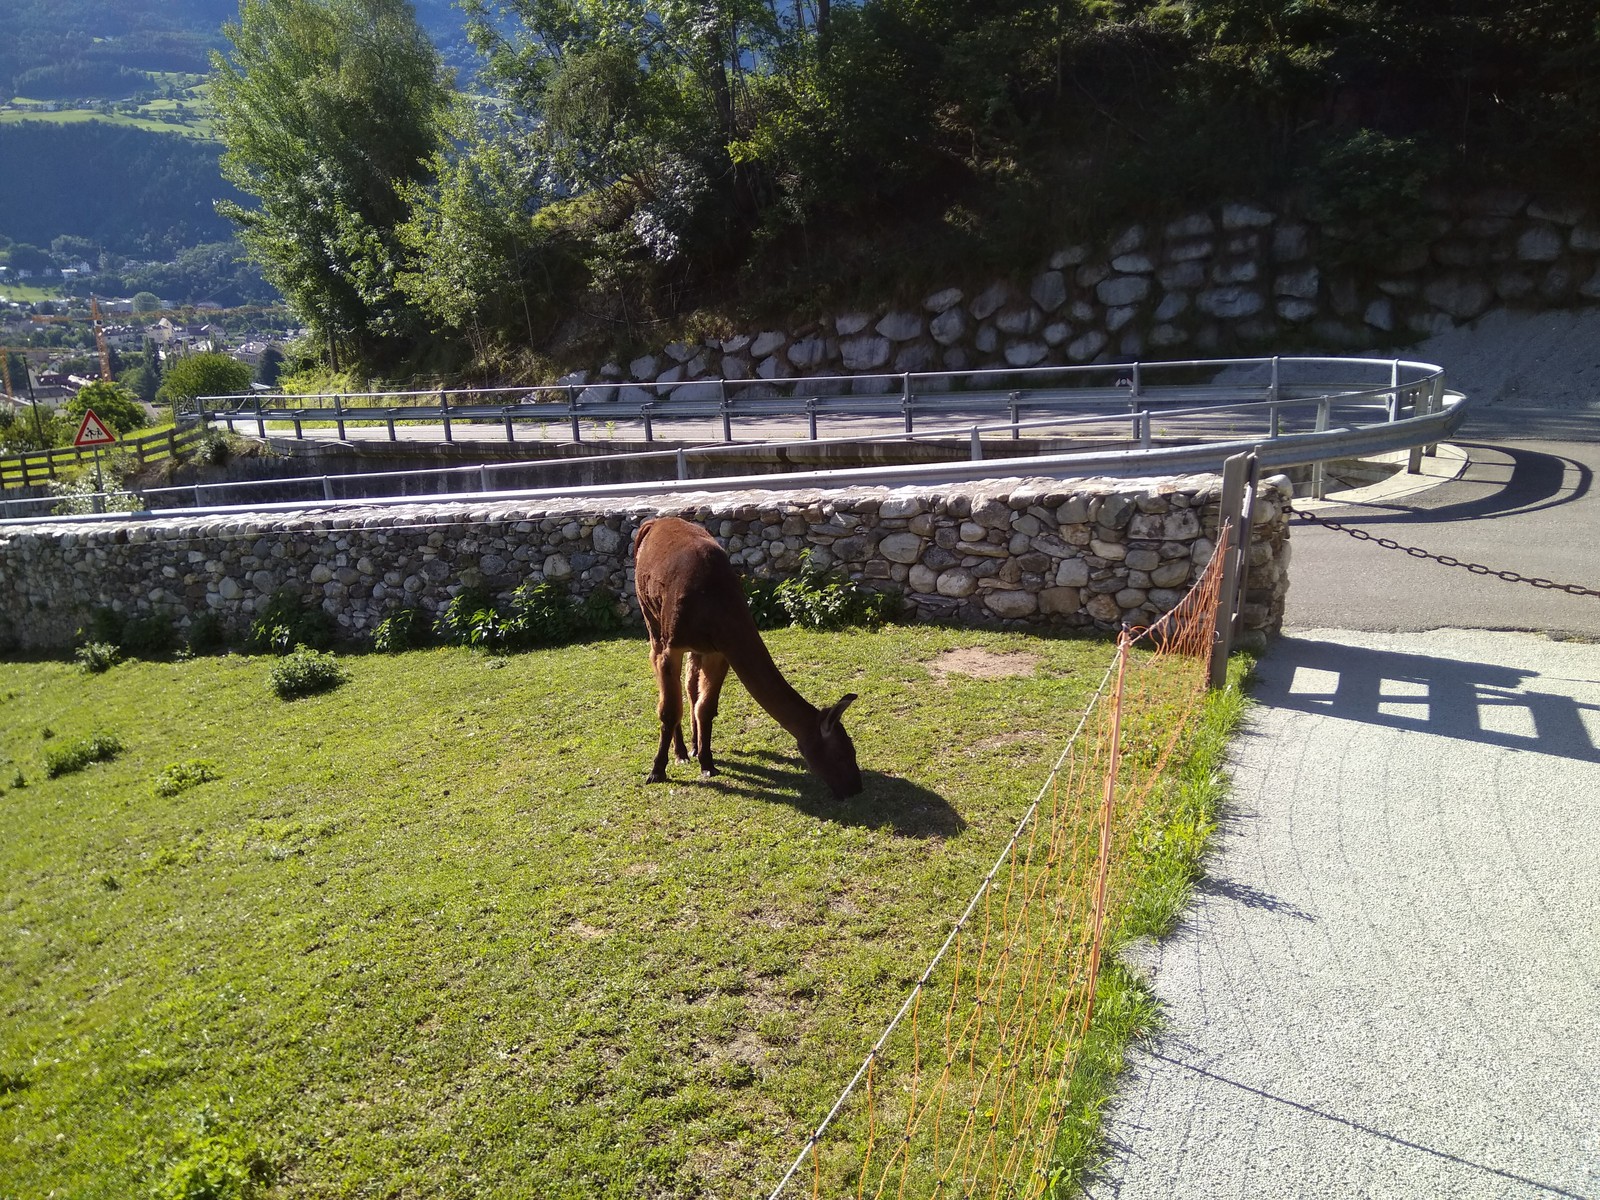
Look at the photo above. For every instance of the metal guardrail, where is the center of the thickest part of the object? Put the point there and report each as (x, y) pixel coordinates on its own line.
(1291, 417)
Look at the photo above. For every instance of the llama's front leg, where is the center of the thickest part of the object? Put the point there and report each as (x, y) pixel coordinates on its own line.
(669, 684)
(707, 674)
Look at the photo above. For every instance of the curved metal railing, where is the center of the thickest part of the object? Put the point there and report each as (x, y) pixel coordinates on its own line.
(1128, 419)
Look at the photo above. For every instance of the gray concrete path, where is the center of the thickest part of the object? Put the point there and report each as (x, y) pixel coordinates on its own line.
(1389, 985)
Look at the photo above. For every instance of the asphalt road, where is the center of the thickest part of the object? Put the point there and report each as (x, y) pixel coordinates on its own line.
(1526, 506)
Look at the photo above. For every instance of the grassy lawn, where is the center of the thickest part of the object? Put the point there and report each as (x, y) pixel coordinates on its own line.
(27, 293)
(431, 935)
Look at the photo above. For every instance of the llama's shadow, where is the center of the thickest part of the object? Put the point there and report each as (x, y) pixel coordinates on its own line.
(885, 801)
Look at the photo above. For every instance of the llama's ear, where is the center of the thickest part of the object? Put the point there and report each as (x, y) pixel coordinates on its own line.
(830, 717)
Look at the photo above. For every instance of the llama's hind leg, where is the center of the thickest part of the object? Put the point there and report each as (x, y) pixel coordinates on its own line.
(669, 708)
(707, 674)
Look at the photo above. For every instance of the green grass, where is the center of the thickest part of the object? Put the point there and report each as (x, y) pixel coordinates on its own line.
(431, 935)
(27, 293)
(193, 127)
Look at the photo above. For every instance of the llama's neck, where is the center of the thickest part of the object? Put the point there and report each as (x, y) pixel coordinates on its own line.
(752, 663)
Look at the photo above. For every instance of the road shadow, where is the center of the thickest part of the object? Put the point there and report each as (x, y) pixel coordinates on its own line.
(1251, 897)
(1538, 481)
(886, 802)
(1474, 702)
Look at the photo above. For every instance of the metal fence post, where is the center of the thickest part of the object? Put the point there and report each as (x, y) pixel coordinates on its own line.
(727, 414)
(1014, 406)
(811, 418)
(977, 445)
(905, 400)
(338, 414)
(683, 464)
(444, 413)
(572, 413)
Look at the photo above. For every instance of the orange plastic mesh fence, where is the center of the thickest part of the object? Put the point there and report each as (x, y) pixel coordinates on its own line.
(964, 1094)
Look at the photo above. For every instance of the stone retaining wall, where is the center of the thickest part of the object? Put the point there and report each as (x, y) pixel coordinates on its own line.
(1017, 552)
(1240, 277)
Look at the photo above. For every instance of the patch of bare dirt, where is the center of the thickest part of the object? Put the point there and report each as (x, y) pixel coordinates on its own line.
(979, 663)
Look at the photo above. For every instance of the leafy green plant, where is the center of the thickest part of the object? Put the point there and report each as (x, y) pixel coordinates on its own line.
(305, 672)
(96, 658)
(403, 629)
(543, 614)
(816, 597)
(207, 634)
(148, 635)
(73, 756)
(286, 623)
(180, 777)
(213, 1163)
(471, 619)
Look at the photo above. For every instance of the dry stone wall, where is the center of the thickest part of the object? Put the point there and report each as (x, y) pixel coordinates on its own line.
(1235, 278)
(1019, 552)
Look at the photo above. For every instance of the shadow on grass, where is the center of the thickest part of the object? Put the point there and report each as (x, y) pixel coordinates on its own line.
(885, 801)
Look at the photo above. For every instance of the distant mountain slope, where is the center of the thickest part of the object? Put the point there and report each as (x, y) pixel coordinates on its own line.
(60, 49)
(131, 192)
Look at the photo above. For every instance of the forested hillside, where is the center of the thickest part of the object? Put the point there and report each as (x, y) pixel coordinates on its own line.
(60, 49)
(146, 195)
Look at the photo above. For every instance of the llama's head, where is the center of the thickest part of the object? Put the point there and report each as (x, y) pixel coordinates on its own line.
(831, 754)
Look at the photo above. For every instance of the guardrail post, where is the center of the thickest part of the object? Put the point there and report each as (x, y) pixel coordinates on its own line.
(811, 418)
(683, 464)
(389, 421)
(338, 415)
(727, 414)
(905, 401)
(1142, 421)
(1014, 404)
(299, 432)
(1319, 471)
(1274, 421)
(644, 412)
(1275, 392)
(261, 423)
(1137, 387)
(510, 435)
(1394, 390)
(977, 445)
(444, 414)
(572, 413)
(327, 488)
(483, 478)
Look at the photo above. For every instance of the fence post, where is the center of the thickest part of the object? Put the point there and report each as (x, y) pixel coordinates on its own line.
(1014, 404)
(1103, 860)
(683, 464)
(977, 445)
(905, 400)
(811, 418)
(338, 413)
(444, 412)
(1319, 472)
(727, 414)
(572, 412)
(1234, 517)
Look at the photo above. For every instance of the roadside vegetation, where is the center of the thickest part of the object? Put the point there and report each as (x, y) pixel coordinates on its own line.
(430, 931)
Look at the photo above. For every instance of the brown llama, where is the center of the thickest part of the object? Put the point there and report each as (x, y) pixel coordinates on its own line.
(693, 605)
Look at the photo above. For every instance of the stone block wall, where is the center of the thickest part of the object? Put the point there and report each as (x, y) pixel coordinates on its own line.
(1020, 552)
(1241, 277)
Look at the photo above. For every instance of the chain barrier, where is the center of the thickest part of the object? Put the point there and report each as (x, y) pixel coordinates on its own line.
(1361, 535)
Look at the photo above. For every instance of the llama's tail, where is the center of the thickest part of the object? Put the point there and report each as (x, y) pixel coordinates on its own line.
(638, 536)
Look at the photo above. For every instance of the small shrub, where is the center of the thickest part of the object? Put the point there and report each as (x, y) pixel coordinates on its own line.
(147, 636)
(180, 777)
(97, 657)
(817, 598)
(76, 755)
(471, 619)
(207, 634)
(305, 672)
(542, 614)
(403, 629)
(286, 623)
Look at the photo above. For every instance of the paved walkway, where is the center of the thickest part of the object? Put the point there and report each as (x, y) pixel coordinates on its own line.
(1390, 982)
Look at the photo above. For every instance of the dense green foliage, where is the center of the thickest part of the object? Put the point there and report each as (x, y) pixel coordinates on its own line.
(329, 109)
(113, 403)
(210, 373)
(639, 162)
(306, 672)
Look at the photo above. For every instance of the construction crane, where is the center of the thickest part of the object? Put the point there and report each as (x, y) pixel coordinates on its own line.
(100, 337)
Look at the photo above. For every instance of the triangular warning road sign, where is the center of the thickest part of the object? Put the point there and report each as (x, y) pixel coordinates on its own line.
(93, 432)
